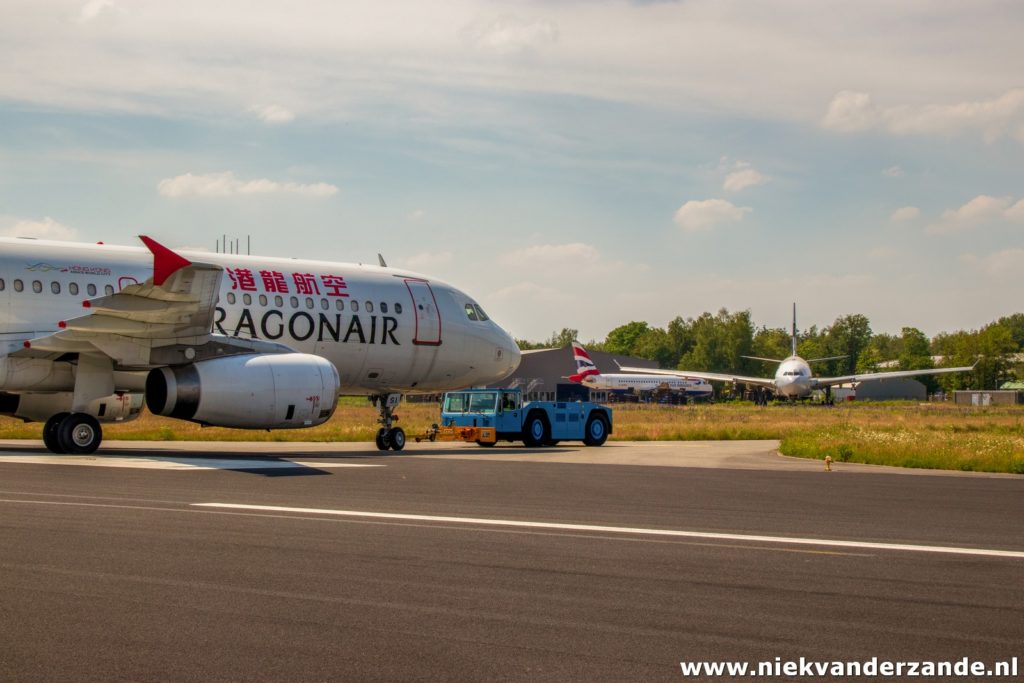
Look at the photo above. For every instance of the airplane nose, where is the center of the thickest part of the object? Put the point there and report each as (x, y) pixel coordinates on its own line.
(509, 352)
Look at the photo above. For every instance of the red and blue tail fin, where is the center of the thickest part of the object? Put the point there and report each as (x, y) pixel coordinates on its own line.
(584, 366)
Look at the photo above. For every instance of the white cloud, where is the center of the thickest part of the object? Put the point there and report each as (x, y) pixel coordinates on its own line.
(981, 209)
(93, 8)
(427, 261)
(851, 111)
(226, 185)
(743, 176)
(696, 215)
(904, 214)
(998, 263)
(272, 113)
(1016, 212)
(416, 215)
(511, 35)
(893, 172)
(45, 229)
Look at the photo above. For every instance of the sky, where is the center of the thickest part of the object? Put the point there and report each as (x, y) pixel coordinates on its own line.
(568, 163)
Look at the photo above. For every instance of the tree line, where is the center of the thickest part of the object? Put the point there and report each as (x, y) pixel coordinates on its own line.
(718, 342)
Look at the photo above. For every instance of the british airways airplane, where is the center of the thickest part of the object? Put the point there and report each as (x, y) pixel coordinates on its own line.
(588, 375)
(89, 332)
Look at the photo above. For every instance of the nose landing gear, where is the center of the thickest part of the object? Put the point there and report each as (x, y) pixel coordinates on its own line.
(388, 436)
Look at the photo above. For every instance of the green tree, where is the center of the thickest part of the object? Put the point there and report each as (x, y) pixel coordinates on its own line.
(655, 344)
(848, 336)
(623, 339)
(915, 354)
(559, 340)
(771, 342)
(720, 342)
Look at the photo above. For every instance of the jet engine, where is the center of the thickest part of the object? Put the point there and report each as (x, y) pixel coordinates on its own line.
(252, 391)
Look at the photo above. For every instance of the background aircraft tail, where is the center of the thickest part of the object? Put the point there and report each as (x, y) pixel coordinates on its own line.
(584, 366)
(793, 338)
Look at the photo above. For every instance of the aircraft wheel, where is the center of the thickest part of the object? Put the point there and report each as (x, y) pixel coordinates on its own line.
(51, 431)
(396, 439)
(597, 431)
(536, 431)
(79, 434)
(382, 440)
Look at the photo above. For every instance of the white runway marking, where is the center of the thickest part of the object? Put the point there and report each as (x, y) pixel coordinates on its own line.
(789, 540)
(173, 463)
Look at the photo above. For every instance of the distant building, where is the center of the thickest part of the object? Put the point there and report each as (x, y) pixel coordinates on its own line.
(995, 397)
(542, 374)
(895, 389)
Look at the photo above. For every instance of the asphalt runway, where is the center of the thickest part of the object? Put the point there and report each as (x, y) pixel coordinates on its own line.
(329, 562)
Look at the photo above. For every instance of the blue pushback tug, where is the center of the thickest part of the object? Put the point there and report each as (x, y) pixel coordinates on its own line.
(489, 415)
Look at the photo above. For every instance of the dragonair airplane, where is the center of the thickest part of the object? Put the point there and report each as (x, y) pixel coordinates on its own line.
(793, 379)
(88, 332)
(588, 375)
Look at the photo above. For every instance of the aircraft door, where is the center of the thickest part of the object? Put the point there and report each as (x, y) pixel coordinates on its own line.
(428, 317)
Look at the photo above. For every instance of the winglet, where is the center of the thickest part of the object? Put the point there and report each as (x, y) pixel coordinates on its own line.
(165, 262)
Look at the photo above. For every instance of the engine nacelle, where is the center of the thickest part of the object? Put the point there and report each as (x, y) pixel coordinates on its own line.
(253, 391)
(39, 407)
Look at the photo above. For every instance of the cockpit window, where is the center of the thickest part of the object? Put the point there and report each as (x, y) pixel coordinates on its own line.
(471, 312)
(480, 312)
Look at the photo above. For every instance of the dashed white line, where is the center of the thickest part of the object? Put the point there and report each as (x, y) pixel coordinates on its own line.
(788, 540)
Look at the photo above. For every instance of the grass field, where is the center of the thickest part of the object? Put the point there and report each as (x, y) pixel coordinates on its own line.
(941, 436)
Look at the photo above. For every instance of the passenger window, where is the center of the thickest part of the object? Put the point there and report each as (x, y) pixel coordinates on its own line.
(73, 289)
(325, 304)
(369, 307)
(309, 303)
(91, 288)
(263, 299)
(55, 287)
(231, 298)
(471, 312)
(383, 307)
(19, 285)
(294, 301)
(339, 304)
(247, 299)
(3, 285)
(37, 286)
(108, 290)
(278, 301)
(355, 306)
(398, 309)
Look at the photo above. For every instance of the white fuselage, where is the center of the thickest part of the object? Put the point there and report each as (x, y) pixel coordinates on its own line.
(384, 329)
(793, 378)
(638, 383)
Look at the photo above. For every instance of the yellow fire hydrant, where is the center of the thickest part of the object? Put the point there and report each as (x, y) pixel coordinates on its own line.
(828, 463)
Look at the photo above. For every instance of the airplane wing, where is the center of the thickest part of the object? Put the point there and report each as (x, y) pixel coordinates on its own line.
(831, 381)
(165, 320)
(709, 376)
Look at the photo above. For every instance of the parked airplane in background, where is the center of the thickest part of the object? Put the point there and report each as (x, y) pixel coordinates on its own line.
(793, 379)
(588, 375)
(88, 331)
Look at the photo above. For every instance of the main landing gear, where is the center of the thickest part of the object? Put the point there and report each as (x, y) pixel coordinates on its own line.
(72, 433)
(388, 436)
